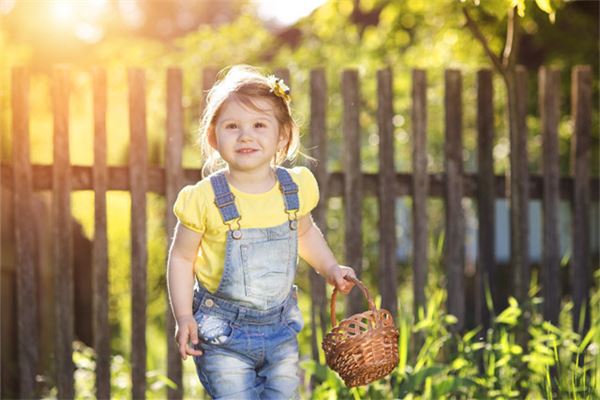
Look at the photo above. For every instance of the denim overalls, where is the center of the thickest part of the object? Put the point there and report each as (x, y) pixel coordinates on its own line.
(248, 327)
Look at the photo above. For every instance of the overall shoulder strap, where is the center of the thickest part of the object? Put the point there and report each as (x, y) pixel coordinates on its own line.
(224, 199)
(289, 188)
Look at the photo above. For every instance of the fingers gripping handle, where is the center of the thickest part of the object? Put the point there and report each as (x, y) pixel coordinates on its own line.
(362, 287)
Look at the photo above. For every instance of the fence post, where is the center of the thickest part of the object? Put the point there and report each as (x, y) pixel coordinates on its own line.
(284, 74)
(519, 191)
(581, 274)
(318, 144)
(100, 242)
(62, 235)
(209, 76)
(388, 281)
(352, 183)
(454, 249)
(486, 196)
(420, 188)
(138, 166)
(27, 332)
(549, 103)
(173, 183)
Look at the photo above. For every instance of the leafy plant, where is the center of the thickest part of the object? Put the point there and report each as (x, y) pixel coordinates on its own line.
(554, 362)
(84, 359)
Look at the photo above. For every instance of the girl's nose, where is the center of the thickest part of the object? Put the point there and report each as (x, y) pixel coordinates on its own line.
(245, 134)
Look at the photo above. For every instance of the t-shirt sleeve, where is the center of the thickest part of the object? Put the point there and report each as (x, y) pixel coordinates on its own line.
(188, 208)
(308, 190)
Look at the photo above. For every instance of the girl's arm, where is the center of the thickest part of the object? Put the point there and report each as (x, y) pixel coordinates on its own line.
(313, 248)
(180, 282)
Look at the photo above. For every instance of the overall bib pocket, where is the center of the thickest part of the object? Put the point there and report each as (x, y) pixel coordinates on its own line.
(266, 267)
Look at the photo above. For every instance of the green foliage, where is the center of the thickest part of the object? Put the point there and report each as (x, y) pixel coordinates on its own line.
(120, 372)
(554, 362)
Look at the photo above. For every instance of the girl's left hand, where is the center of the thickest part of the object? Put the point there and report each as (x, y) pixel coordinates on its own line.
(337, 274)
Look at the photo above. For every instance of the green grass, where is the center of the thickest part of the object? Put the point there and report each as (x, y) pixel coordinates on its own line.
(554, 363)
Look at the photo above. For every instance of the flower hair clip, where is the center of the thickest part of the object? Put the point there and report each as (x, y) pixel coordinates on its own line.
(279, 88)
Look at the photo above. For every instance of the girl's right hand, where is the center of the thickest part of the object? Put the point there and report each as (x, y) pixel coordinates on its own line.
(186, 330)
(337, 277)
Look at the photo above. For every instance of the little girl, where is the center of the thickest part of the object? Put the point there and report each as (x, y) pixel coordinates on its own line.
(240, 230)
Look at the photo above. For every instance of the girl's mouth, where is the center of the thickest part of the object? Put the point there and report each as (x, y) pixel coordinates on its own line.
(246, 151)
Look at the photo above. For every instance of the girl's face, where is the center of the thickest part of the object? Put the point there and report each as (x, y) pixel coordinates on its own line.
(247, 139)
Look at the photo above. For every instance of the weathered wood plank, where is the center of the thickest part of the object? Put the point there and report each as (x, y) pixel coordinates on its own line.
(118, 179)
(62, 236)
(173, 183)
(27, 324)
(519, 192)
(318, 146)
(454, 245)
(209, 77)
(581, 274)
(352, 183)
(486, 195)
(100, 243)
(138, 162)
(388, 281)
(419, 188)
(549, 103)
(284, 74)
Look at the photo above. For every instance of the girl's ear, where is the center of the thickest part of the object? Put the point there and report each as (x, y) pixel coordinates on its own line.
(284, 138)
(212, 137)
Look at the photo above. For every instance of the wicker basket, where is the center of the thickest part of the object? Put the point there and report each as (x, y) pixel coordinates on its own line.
(363, 347)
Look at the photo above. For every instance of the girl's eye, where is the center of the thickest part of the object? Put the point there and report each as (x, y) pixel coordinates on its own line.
(231, 126)
(260, 125)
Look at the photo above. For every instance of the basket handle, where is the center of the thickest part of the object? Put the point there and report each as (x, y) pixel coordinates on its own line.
(362, 287)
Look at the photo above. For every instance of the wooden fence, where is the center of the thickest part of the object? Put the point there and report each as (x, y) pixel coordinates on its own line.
(452, 185)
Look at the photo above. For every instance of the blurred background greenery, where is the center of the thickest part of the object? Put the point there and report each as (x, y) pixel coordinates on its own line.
(195, 35)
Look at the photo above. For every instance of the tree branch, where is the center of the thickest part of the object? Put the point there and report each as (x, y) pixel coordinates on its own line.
(509, 55)
(472, 25)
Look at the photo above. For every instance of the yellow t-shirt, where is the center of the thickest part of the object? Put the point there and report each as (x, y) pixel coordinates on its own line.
(196, 210)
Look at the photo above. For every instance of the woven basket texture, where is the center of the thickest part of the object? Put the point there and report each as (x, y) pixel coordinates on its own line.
(363, 347)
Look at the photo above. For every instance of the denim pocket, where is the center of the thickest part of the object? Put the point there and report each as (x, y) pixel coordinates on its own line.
(267, 268)
(213, 329)
(294, 318)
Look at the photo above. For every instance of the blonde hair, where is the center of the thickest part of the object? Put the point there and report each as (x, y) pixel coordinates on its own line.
(245, 84)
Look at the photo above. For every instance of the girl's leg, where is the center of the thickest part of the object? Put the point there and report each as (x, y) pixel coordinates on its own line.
(280, 372)
(227, 375)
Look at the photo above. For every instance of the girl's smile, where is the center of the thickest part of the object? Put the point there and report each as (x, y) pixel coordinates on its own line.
(246, 150)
